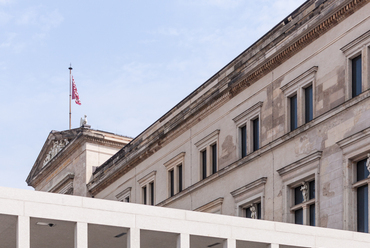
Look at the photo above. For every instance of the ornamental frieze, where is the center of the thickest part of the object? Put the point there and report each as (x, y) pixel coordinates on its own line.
(57, 147)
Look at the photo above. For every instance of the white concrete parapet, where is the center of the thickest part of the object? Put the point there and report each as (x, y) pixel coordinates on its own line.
(85, 222)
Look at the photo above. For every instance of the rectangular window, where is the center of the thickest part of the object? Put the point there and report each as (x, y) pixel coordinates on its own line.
(257, 208)
(172, 182)
(308, 104)
(214, 158)
(356, 76)
(204, 164)
(298, 216)
(293, 113)
(243, 140)
(304, 201)
(362, 198)
(256, 134)
(312, 215)
(127, 199)
(180, 177)
(144, 195)
(151, 186)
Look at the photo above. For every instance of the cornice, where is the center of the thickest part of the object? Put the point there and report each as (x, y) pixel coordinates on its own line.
(255, 184)
(311, 158)
(210, 205)
(141, 148)
(62, 183)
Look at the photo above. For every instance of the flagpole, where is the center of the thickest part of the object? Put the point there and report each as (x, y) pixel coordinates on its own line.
(70, 83)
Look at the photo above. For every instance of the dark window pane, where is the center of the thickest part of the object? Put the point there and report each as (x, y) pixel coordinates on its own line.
(204, 164)
(180, 177)
(248, 212)
(256, 134)
(293, 113)
(308, 104)
(356, 76)
(127, 199)
(151, 185)
(243, 145)
(172, 183)
(214, 158)
(298, 197)
(362, 209)
(362, 171)
(312, 215)
(298, 216)
(144, 194)
(311, 190)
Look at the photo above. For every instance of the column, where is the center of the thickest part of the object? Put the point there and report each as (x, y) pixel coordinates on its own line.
(133, 238)
(183, 240)
(229, 243)
(23, 232)
(81, 235)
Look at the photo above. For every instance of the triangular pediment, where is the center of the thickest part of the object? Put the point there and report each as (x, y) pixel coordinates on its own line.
(56, 143)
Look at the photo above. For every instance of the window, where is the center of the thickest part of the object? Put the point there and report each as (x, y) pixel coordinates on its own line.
(300, 94)
(304, 200)
(249, 199)
(208, 154)
(124, 196)
(248, 130)
(243, 141)
(356, 157)
(356, 76)
(293, 113)
(256, 134)
(299, 193)
(308, 99)
(204, 163)
(175, 174)
(362, 196)
(253, 211)
(147, 185)
(214, 206)
(357, 54)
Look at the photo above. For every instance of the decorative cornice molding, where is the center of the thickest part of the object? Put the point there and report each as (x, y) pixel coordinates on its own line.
(355, 138)
(309, 73)
(123, 194)
(213, 204)
(64, 185)
(313, 157)
(255, 184)
(355, 42)
(208, 138)
(249, 111)
(178, 159)
(147, 178)
(303, 41)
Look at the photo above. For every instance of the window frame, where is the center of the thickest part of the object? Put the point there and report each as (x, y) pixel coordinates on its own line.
(354, 148)
(359, 46)
(146, 182)
(246, 119)
(174, 165)
(205, 145)
(305, 169)
(123, 195)
(251, 193)
(297, 87)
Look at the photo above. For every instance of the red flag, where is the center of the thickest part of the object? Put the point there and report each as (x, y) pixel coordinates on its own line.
(75, 93)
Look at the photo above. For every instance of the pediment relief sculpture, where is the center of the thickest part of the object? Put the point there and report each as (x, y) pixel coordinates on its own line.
(57, 147)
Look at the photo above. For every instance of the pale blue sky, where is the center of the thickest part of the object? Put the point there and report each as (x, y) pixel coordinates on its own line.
(132, 61)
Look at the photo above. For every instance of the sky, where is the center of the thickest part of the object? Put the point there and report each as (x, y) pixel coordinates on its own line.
(132, 62)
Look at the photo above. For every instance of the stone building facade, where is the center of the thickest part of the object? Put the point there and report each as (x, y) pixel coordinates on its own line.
(281, 133)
